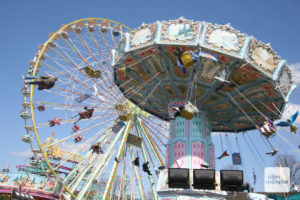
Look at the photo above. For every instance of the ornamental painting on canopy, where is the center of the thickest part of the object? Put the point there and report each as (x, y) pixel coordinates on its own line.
(284, 80)
(179, 30)
(263, 56)
(143, 35)
(224, 39)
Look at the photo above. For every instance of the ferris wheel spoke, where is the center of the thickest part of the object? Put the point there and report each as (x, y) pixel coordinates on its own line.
(72, 63)
(154, 134)
(148, 124)
(77, 51)
(85, 45)
(137, 176)
(65, 105)
(82, 95)
(79, 82)
(88, 158)
(152, 143)
(157, 122)
(75, 65)
(108, 71)
(82, 131)
(107, 49)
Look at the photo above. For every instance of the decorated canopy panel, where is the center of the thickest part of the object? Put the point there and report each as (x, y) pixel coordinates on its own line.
(152, 78)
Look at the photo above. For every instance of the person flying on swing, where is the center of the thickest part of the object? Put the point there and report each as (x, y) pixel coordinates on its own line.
(55, 121)
(185, 59)
(146, 168)
(43, 82)
(87, 114)
(78, 138)
(224, 154)
(96, 148)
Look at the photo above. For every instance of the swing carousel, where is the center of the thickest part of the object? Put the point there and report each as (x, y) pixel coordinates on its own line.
(135, 102)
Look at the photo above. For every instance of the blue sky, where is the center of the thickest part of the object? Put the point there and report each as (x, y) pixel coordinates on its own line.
(25, 24)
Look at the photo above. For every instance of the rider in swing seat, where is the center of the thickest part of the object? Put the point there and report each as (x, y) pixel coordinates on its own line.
(43, 82)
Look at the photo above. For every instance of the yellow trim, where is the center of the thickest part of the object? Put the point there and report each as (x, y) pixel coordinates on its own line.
(32, 86)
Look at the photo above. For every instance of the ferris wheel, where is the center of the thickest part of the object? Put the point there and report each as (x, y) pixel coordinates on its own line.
(69, 91)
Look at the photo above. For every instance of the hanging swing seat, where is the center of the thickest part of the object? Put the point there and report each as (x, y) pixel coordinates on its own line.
(187, 59)
(41, 108)
(187, 115)
(75, 128)
(126, 117)
(116, 128)
(293, 129)
(189, 111)
(267, 129)
(78, 138)
(92, 72)
(122, 107)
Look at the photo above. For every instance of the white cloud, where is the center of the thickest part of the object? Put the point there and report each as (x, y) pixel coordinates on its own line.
(26, 153)
(295, 68)
(291, 109)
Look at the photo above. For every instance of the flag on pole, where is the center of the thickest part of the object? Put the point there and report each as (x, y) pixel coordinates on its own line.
(254, 177)
(236, 159)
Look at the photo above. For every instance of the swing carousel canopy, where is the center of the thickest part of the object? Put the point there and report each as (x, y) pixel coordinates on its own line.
(261, 76)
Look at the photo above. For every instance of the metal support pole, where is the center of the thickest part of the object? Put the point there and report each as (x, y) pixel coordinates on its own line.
(137, 177)
(138, 128)
(116, 164)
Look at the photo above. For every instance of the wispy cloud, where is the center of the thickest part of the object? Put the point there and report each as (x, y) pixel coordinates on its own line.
(291, 109)
(26, 153)
(295, 68)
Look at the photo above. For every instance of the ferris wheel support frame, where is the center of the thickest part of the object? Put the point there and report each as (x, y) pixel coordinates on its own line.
(96, 172)
(138, 129)
(137, 177)
(84, 160)
(144, 130)
(116, 164)
(99, 166)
